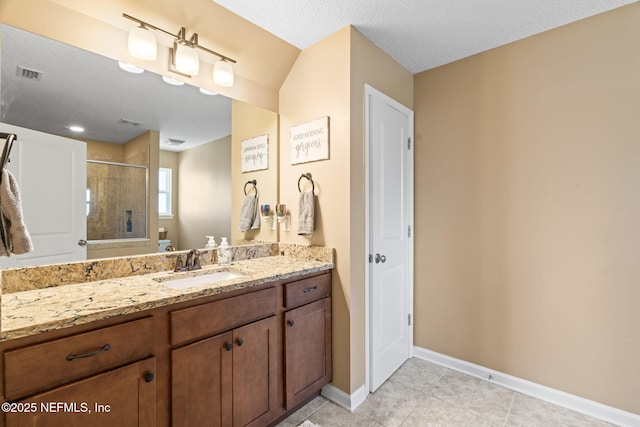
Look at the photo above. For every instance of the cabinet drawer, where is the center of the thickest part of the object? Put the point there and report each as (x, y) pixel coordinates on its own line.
(42, 366)
(307, 290)
(215, 317)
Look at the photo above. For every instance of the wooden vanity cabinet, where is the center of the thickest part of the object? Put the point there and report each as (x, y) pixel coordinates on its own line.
(102, 377)
(229, 379)
(307, 338)
(244, 358)
(124, 396)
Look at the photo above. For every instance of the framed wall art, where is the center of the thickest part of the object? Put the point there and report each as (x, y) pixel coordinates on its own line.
(310, 141)
(255, 153)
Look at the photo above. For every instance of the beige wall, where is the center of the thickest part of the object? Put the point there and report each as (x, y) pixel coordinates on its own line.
(317, 86)
(328, 80)
(248, 121)
(204, 193)
(527, 206)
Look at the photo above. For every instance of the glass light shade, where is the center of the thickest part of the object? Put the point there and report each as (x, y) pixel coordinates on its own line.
(186, 59)
(142, 44)
(223, 73)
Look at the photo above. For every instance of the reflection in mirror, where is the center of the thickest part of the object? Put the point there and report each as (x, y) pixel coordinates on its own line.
(137, 119)
(116, 200)
(48, 86)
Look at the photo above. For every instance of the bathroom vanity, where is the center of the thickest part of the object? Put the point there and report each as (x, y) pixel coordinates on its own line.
(147, 350)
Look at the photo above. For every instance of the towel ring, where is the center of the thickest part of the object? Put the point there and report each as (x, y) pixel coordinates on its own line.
(308, 176)
(252, 182)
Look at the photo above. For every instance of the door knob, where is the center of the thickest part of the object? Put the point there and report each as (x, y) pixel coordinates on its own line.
(380, 258)
(82, 242)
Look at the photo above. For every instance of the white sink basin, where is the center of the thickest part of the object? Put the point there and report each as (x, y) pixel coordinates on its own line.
(203, 279)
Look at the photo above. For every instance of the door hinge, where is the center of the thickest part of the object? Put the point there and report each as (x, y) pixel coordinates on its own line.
(409, 319)
(409, 143)
(409, 231)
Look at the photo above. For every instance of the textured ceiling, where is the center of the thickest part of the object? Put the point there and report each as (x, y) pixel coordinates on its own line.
(419, 34)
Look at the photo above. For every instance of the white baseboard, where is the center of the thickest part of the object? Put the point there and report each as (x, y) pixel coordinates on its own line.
(557, 397)
(347, 401)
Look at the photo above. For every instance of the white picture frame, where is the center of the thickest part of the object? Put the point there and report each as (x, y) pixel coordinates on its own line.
(309, 141)
(255, 153)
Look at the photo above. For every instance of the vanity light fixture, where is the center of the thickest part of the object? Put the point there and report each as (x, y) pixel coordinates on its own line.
(183, 57)
(142, 43)
(223, 73)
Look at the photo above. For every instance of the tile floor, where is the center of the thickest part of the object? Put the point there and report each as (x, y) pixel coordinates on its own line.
(423, 394)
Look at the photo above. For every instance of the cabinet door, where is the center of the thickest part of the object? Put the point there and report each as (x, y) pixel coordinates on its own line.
(307, 350)
(201, 375)
(255, 373)
(122, 397)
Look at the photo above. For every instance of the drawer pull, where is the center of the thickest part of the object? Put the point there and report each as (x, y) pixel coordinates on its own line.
(105, 347)
(290, 322)
(240, 342)
(148, 377)
(228, 347)
(312, 289)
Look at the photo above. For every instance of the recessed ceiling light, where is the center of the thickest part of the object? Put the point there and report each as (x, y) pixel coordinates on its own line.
(207, 92)
(76, 128)
(130, 67)
(172, 81)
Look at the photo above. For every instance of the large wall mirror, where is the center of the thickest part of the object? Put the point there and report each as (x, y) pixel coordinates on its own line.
(131, 118)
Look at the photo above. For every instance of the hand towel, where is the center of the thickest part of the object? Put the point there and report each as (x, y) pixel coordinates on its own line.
(249, 217)
(14, 237)
(306, 213)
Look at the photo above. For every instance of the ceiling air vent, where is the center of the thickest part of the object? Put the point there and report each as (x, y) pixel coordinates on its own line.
(129, 122)
(28, 73)
(173, 141)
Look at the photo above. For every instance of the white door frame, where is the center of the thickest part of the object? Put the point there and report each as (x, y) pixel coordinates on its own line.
(370, 91)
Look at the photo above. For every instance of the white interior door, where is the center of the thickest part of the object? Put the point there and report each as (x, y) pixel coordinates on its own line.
(51, 174)
(390, 127)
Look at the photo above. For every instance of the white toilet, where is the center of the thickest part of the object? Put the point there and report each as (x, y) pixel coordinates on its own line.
(162, 245)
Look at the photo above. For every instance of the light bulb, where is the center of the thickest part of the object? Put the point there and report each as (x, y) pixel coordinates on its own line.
(186, 59)
(142, 44)
(223, 73)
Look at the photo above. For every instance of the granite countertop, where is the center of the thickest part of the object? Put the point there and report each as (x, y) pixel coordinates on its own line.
(36, 311)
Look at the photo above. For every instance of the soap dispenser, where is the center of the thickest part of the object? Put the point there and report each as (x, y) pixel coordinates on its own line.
(211, 242)
(224, 252)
